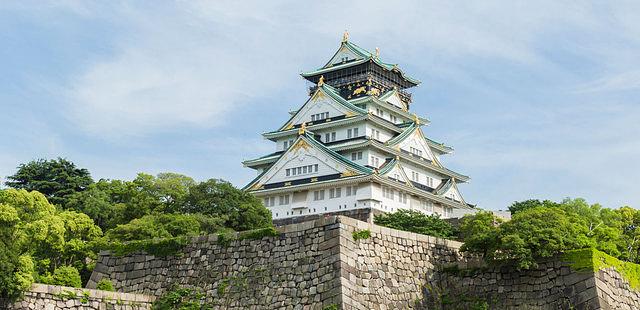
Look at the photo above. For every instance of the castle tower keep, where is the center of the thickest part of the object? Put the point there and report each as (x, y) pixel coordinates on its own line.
(354, 145)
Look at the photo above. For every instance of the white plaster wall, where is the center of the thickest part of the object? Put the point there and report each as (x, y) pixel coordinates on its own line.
(381, 157)
(385, 134)
(341, 131)
(408, 168)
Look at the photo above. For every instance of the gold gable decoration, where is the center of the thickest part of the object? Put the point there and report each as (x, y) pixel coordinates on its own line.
(301, 144)
(257, 186)
(289, 126)
(302, 129)
(348, 173)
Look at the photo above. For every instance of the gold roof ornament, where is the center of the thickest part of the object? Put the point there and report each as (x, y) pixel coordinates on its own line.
(321, 80)
(377, 52)
(416, 119)
(303, 129)
(345, 36)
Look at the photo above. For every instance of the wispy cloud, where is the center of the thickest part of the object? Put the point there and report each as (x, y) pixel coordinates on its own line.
(539, 98)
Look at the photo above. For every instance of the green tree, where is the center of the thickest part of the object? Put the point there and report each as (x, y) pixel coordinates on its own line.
(56, 179)
(480, 232)
(528, 204)
(65, 276)
(536, 233)
(417, 222)
(16, 269)
(221, 199)
(52, 238)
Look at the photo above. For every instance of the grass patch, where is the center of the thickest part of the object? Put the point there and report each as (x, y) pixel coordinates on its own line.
(361, 234)
(594, 260)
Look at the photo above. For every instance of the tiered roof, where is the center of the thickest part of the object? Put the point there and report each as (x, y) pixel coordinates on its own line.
(362, 56)
(354, 110)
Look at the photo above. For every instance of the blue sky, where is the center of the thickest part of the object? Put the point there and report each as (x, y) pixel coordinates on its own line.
(540, 99)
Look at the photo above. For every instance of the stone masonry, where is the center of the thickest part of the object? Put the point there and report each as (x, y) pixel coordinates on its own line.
(316, 264)
(50, 297)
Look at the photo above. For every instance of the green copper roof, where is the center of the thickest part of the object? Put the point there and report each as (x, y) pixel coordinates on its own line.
(408, 130)
(388, 165)
(364, 57)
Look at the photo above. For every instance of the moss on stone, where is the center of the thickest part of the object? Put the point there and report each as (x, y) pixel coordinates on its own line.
(593, 260)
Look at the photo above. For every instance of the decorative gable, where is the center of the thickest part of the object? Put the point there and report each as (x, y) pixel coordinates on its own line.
(319, 106)
(416, 144)
(307, 159)
(343, 55)
(395, 100)
(395, 171)
(450, 191)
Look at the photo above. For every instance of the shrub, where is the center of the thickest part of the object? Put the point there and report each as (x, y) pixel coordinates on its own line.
(181, 299)
(65, 276)
(105, 285)
(361, 234)
(417, 222)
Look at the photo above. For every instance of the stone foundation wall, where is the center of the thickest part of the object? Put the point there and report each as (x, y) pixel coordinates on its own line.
(389, 269)
(614, 291)
(316, 264)
(300, 267)
(553, 285)
(50, 297)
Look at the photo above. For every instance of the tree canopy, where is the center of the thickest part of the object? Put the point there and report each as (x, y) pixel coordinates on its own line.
(417, 222)
(541, 229)
(56, 242)
(56, 179)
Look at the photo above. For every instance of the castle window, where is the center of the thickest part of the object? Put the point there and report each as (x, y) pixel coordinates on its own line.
(375, 161)
(269, 201)
(415, 176)
(352, 133)
(388, 192)
(351, 190)
(393, 118)
(402, 197)
(318, 195)
(335, 192)
(319, 116)
(356, 155)
(429, 181)
(283, 200)
(375, 134)
(415, 151)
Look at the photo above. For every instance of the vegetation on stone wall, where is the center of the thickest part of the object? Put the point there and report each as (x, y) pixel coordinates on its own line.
(179, 298)
(417, 222)
(53, 216)
(540, 229)
(593, 260)
(361, 234)
(105, 285)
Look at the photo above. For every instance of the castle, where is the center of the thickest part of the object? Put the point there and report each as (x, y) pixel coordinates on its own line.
(354, 144)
